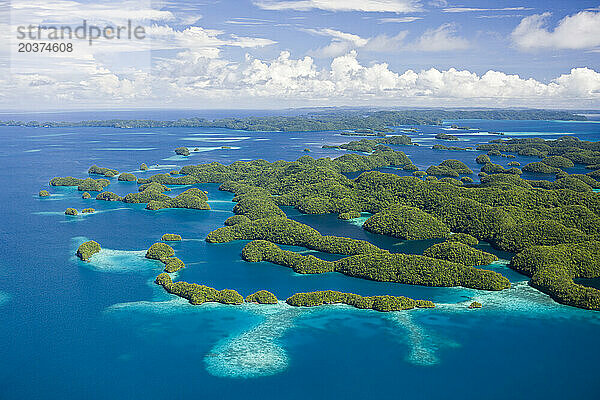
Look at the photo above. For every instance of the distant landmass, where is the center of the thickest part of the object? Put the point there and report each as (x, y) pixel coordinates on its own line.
(321, 121)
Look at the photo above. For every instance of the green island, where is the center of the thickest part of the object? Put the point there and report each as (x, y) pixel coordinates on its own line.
(127, 177)
(198, 294)
(505, 210)
(370, 145)
(262, 297)
(108, 196)
(44, 193)
(87, 184)
(321, 121)
(459, 252)
(569, 147)
(165, 254)
(170, 237)
(452, 148)
(377, 303)
(71, 211)
(182, 151)
(540, 168)
(381, 266)
(94, 169)
(86, 195)
(144, 167)
(445, 136)
(86, 250)
(462, 238)
(349, 215)
(88, 211)
(542, 222)
(160, 251)
(475, 305)
(449, 168)
(553, 268)
(407, 223)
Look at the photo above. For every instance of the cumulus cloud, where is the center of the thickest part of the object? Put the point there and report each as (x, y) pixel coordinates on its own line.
(193, 79)
(395, 6)
(578, 31)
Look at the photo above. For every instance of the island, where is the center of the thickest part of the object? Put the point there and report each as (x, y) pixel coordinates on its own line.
(445, 136)
(377, 303)
(262, 297)
(127, 177)
(536, 220)
(376, 120)
(86, 250)
(475, 305)
(182, 151)
(44, 193)
(170, 237)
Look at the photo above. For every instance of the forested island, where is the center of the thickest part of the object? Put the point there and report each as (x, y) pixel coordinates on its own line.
(552, 227)
(358, 121)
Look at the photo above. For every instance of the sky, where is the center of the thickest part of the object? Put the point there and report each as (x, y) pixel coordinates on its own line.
(277, 54)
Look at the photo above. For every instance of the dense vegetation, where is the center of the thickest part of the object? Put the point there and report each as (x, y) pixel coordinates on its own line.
(262, 297)
(370, 145)
(553, 268)
(569, 147)
(445, 136)
(511, 213)
(170, 237)
(408, 223)
(462, 238)
(349, 215)
(558, 162)
(88, 184)
(173, 264)
(289, 232)
(94, 169)
(87, 250)
(461, 253)
(540, 168)
(160, 251)
(71, 211)
(108, 196)
(378, 303)
(199, 294)
(323, 121)
(381, 266)
(193, 198)
(127, 177)
(44, 193)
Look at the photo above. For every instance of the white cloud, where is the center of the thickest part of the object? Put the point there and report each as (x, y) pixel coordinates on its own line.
(399, 20)
(395, 6)
(192, 79)
(443, 38)
(467, 9)
(578, 31)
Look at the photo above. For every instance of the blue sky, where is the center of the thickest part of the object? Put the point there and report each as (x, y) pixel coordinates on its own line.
(293, 53)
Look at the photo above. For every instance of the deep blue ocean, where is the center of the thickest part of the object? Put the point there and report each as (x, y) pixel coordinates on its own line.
(103, 330)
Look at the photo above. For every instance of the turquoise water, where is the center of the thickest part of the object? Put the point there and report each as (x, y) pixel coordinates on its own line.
(102, 329)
